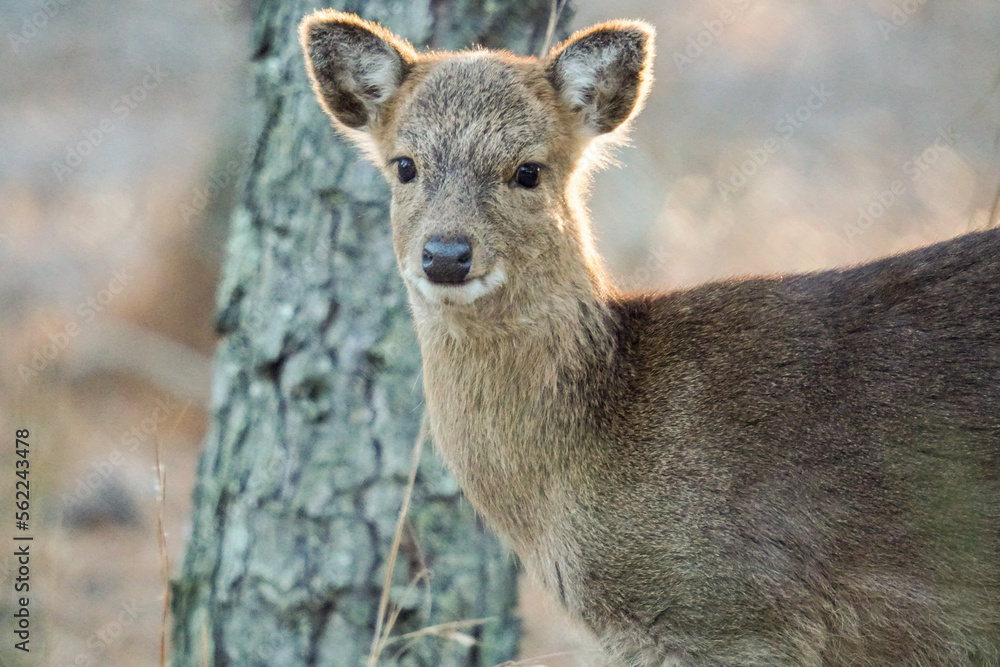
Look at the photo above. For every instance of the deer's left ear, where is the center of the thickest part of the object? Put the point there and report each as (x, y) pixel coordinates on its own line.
(603, 73)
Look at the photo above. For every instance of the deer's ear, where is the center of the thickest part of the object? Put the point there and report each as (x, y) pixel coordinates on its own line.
(355, 65)
(603, 73)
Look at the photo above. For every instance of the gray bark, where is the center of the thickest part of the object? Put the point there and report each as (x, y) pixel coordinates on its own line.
(316, 398)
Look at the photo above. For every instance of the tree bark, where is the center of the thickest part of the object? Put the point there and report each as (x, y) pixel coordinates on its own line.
(316, 397)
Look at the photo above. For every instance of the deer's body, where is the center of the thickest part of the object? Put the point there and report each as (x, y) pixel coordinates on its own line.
(801, 470)
(785, 471)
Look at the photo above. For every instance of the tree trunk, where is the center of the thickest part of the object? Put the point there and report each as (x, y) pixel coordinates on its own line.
(316, 398)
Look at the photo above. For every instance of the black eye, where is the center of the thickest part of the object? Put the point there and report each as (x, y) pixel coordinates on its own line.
(527, 175)
(405, 169)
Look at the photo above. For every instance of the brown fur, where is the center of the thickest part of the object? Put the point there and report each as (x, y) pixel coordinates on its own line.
(789, 471)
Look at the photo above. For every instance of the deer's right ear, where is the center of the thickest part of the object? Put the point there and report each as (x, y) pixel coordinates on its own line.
(355, 65)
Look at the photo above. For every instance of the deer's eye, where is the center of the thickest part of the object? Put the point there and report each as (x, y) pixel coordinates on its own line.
(406, 169)
(527, 175)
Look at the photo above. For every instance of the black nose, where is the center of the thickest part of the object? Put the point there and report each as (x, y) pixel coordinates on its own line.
(447, 261)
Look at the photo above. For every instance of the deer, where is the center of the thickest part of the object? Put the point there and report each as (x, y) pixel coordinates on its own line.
(786, 470)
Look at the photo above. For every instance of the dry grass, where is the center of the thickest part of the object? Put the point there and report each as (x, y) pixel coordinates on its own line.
(386, 619)
(161, 476)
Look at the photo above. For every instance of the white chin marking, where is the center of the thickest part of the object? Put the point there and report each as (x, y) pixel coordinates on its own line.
(459, 294)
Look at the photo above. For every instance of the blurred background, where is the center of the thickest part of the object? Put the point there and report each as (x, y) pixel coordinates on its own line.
(780, 136)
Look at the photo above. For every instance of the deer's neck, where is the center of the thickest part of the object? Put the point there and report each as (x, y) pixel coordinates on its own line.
(510, 388)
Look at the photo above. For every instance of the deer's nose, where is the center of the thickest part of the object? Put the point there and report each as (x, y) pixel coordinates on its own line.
(446, 261)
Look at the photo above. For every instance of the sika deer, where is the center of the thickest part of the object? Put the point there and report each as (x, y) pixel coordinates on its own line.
(785, 471)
